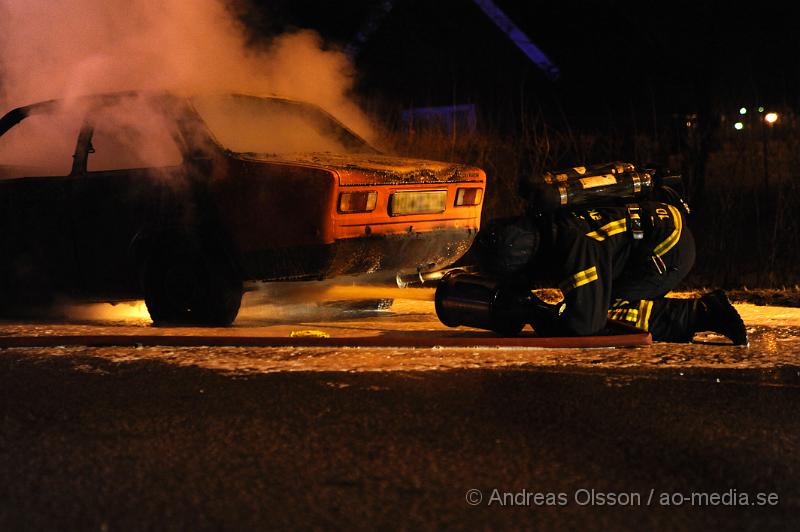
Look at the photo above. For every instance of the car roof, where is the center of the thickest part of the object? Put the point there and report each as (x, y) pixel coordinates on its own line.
(13, 117)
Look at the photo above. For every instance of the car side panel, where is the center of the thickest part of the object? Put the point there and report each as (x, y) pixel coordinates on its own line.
(36, 239)
(274, 212)
(110, 211)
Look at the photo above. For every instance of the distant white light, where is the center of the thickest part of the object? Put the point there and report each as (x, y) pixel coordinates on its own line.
(738, 126)
(771, 118)
(743, 111)
(760, 109)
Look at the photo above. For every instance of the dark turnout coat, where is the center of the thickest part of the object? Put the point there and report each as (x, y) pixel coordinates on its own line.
(605, 270)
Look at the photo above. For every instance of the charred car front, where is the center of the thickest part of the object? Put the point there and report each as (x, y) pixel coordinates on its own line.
(179, 200)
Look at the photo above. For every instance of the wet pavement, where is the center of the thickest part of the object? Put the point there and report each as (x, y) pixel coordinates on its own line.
(774, 334)
(241, 438)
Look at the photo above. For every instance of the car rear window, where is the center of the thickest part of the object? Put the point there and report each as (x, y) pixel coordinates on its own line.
(248, 124)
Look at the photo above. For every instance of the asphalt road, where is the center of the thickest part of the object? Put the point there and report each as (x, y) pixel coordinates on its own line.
(193, 438)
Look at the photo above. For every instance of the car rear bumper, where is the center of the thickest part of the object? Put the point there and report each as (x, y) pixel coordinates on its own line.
(366, 254)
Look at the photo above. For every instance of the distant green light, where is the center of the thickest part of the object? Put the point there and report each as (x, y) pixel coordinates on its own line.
(760, 109)
(738, 126)
(743, 111)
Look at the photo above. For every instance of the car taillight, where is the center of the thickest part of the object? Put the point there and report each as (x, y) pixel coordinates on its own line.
(468, 196)
(363, 201)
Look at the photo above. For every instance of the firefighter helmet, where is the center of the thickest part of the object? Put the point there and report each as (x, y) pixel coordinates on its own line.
(506, 247)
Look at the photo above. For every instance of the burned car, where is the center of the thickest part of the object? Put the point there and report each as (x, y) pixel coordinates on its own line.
(180, 200)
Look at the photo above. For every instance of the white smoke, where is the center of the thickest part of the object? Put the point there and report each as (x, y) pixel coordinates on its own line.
(64, 48)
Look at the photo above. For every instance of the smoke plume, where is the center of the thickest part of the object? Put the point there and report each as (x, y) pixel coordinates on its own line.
(65, 48)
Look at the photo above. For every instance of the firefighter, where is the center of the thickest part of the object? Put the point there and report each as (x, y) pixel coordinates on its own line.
(613, 263)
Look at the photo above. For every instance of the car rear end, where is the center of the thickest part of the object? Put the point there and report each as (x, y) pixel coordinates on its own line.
(405, 216)
(298, 220)
(304, 197)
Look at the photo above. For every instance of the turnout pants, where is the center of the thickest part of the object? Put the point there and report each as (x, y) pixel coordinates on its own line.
(638, 296)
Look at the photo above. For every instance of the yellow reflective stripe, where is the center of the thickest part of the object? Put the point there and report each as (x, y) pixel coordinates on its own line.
(624, 314)
(579, 279)
(645, 308)
(610, 229)
(673, 238)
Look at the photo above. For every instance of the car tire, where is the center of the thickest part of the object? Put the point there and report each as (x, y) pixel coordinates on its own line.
(183, 286)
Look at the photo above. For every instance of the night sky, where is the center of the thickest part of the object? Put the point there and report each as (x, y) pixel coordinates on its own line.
(617, 59)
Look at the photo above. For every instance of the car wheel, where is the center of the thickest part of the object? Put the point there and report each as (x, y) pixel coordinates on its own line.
(183, 286)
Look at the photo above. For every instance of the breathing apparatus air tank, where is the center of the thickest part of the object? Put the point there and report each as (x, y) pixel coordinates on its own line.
(602, 184)
(480, 301)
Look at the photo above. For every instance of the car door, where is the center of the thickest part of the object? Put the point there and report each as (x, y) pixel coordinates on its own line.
(36, 234)
(129, 159)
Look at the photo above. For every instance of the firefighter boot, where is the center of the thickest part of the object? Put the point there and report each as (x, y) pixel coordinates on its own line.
(714, 312)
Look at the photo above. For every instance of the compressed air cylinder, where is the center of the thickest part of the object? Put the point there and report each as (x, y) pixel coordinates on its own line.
(578, 172)
(595, 189)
